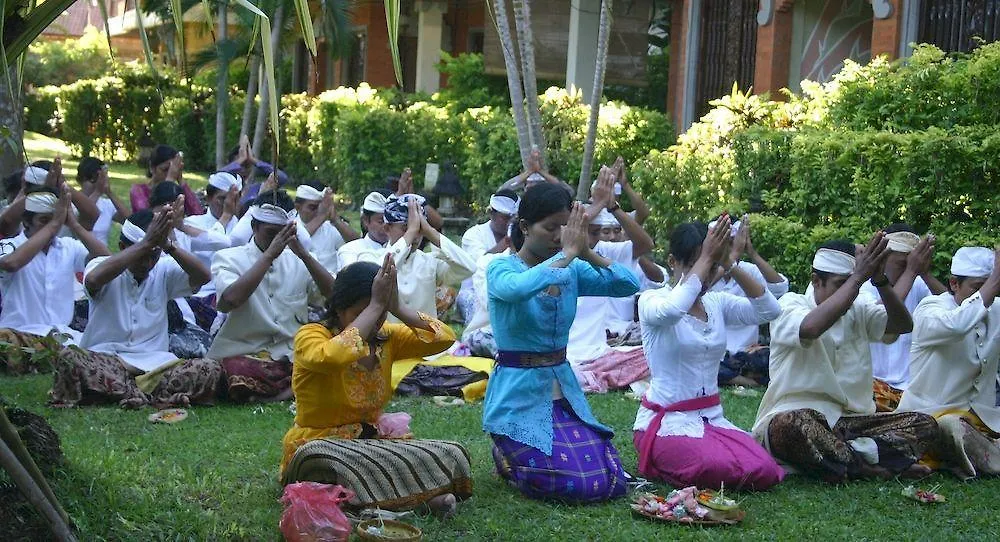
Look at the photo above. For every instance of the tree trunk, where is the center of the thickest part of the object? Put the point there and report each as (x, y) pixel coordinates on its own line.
(583, 188)
(11, 124)
(252, 85)
(222, 90)
(262, 111)
(526, 43)
(513, 81)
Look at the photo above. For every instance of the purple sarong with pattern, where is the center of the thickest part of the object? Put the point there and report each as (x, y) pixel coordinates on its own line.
(583, 467)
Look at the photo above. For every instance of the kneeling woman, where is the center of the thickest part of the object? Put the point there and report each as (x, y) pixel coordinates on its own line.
(681, 433)
(341, 381)
(546, 441)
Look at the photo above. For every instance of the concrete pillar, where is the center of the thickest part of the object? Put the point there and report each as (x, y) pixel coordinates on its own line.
(888, 27)
(774, 49)
(581, 56)
(430, 25)
(675, 81)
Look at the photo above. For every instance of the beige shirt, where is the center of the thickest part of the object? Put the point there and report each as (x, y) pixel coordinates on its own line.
(831, 374)
(954, 358)
(273, 312)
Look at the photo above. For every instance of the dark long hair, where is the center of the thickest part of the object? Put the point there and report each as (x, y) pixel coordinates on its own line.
(539, 202)
(353, 284)
(685, 241)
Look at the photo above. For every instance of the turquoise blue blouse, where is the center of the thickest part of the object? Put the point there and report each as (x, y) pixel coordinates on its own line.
(526, 317)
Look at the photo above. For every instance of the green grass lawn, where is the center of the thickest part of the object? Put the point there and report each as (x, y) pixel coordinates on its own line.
(214, 476)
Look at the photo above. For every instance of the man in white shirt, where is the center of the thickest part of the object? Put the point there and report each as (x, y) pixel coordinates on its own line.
(317, 213)
(908, 270)
(38, 270)
(955, 352)
(817, 414)
(46, 173)
(265, 288)
(490, 237)
(126, 358)
(373, 227)
(92, 174)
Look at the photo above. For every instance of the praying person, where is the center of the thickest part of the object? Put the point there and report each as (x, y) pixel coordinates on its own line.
(342, 383)
(534, 175)
(92, 174)
(681, 433)
(818, 414)
(373, 228)
(546, 441)
(317, 213)
(908, 270)
(124, 357)
(48, 174)
(243, 230)
(38, 270)
(165, 164)
(490, 237)
(242, 162)
(953, 367)
(264, 288)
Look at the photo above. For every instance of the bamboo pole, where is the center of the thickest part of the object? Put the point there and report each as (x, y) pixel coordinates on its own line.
(8, 434)
(34, 494)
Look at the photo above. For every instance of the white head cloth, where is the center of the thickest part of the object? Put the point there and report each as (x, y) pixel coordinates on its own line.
(535, 178)
(306, 192)
(833, 261)
(733, 229)
(132, 232)
(503, 204)
(224, 180)
(605, 219)
(902, 241)
(269, 214)
(972, 262)
(35, 175)
(40, 202)
(374, 203)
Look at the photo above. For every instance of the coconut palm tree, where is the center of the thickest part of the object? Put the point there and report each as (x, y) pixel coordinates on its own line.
(526, 44)
(604, 32)
(513, 80)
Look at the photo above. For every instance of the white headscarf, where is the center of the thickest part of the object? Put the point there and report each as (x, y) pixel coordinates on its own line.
(35, 175)
(902, 241)
(504, 204)
(605, 219)
(223, 180)
(374, 203)
(269, 214)
(833, 261)
(972, 262)
(306, 192)
(132, 232)
(40, 202)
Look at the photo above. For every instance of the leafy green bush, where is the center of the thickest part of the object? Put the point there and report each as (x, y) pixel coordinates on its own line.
(41, 110)
(468, 85)
(63, 62)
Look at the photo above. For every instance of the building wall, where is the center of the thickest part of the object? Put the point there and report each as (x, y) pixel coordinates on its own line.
(826, 33)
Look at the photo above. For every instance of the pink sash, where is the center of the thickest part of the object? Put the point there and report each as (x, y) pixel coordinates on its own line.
(646, 446)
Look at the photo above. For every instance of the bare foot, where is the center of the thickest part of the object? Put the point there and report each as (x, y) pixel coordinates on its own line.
(443, 506)
(916, 471)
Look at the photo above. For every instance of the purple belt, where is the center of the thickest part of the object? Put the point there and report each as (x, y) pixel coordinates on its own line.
(531, 360)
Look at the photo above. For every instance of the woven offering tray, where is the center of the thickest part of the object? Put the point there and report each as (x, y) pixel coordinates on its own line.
(689, 506)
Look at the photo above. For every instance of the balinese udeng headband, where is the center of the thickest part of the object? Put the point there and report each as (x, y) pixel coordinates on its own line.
(223, 180)
(132, 232)
(972, 262)
(902, 241)
(308, 193)
(833, 261)
(503, 204)
(269, 214)
(733, 229)
(40, 202)
(35, 175)
(374, 203)
(605, 219)
(397, 211)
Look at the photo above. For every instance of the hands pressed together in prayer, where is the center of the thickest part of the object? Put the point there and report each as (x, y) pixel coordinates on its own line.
(870, 262)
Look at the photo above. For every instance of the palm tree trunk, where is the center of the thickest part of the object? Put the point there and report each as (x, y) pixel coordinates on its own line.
(222, 90)
(258, 132)
(513, 81)
(526, 42)
(583, 188)
(252, 85)
(11, 124)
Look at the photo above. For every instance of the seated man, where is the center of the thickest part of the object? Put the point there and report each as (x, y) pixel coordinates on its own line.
(745, 362)
(92, 175)
(38, 271)
(46, 173)
(265, 288)
(908, 270)
(956, 345)
(818, 414)
(490, 237)
(126, 358)
(373, 229)
(317, 213)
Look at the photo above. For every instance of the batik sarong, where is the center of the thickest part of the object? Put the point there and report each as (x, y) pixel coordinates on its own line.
(886, 397)
(584, 465)
(255, 378)
(26, 353)
(614, 370)
(204, 310)
(968, 447)
(482, 344)
(804, 439)
(390, 474)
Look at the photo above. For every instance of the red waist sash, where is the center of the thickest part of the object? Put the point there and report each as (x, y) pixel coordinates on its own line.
(646, 446)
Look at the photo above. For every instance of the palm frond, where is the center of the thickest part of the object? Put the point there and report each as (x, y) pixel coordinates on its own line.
(265, 43)
(392, 24)
(34, 23)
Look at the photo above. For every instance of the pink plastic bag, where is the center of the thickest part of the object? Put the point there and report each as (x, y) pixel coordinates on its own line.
(312, 513)
(394, 425)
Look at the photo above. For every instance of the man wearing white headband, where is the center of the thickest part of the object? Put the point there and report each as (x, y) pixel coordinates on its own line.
(38, 269)
(955, 352)
(374, 240)
(126, 359)
(588, 350)
(46, 173)
(818, 414)
(317, 213)
(745, 363)
(265, 288)
(908, 270)
(490, 237)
